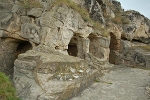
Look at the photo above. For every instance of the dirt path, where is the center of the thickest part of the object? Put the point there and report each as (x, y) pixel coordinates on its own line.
(122, 83)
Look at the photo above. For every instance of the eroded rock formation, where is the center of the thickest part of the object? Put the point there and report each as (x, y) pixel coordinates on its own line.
(138, 29)
(56, 48)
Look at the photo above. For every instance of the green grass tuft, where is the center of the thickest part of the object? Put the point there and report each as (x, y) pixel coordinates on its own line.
(7, 91)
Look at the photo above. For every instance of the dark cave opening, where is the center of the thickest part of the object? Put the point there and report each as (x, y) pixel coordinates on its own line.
(10, 49)
(23, 47)
(115, 46)
(72, 50)
(72, 47)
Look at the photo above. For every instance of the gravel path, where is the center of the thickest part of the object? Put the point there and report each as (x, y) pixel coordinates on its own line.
(122, 83)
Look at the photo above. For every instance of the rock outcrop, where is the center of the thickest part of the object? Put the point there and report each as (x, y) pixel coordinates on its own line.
(43, 73)
(57, 26)
(139, 27)
(134, 54)
(46, 46)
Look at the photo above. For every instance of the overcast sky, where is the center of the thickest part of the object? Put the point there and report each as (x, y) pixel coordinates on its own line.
(142, 6)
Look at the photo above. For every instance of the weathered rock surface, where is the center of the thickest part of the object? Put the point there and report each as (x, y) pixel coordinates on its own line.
(42, 36)
(43, 73)
(59, 27)
(138, 29)
(136, 56)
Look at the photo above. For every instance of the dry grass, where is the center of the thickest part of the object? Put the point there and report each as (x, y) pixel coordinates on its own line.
(147, 48)
(5, 1)
(82, 11)
(125, 20)
(84, 14)
(120, 18)
(98, 26)
(30, 4)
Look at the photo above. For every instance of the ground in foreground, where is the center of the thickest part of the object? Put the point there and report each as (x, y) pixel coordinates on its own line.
(121, 83)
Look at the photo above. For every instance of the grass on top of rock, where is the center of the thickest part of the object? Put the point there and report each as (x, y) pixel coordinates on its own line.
(84, 14)
(103, 29)
(30, 4)
(5, 1)
(7, 91)
(120, 18)
(147, 48)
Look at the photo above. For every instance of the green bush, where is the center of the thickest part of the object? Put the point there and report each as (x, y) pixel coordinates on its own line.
(7, 91)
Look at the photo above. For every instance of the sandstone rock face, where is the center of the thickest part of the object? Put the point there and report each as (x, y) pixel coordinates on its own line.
(31, 32)
(65, 25)
(99, 47)
(53, 26)
(35, 12)
(138, 29)
(8, 55)
(115, 45)
(95, 11)
(59, 47)
(135, 56)
(10, 48)
(46, 74)
(40, 43)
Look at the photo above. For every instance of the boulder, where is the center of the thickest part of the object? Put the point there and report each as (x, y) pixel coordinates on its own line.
(50, 75)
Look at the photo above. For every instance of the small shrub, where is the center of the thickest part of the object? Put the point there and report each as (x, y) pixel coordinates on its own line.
(7, 91)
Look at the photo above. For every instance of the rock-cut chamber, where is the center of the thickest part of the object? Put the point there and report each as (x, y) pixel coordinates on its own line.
(10, 49)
